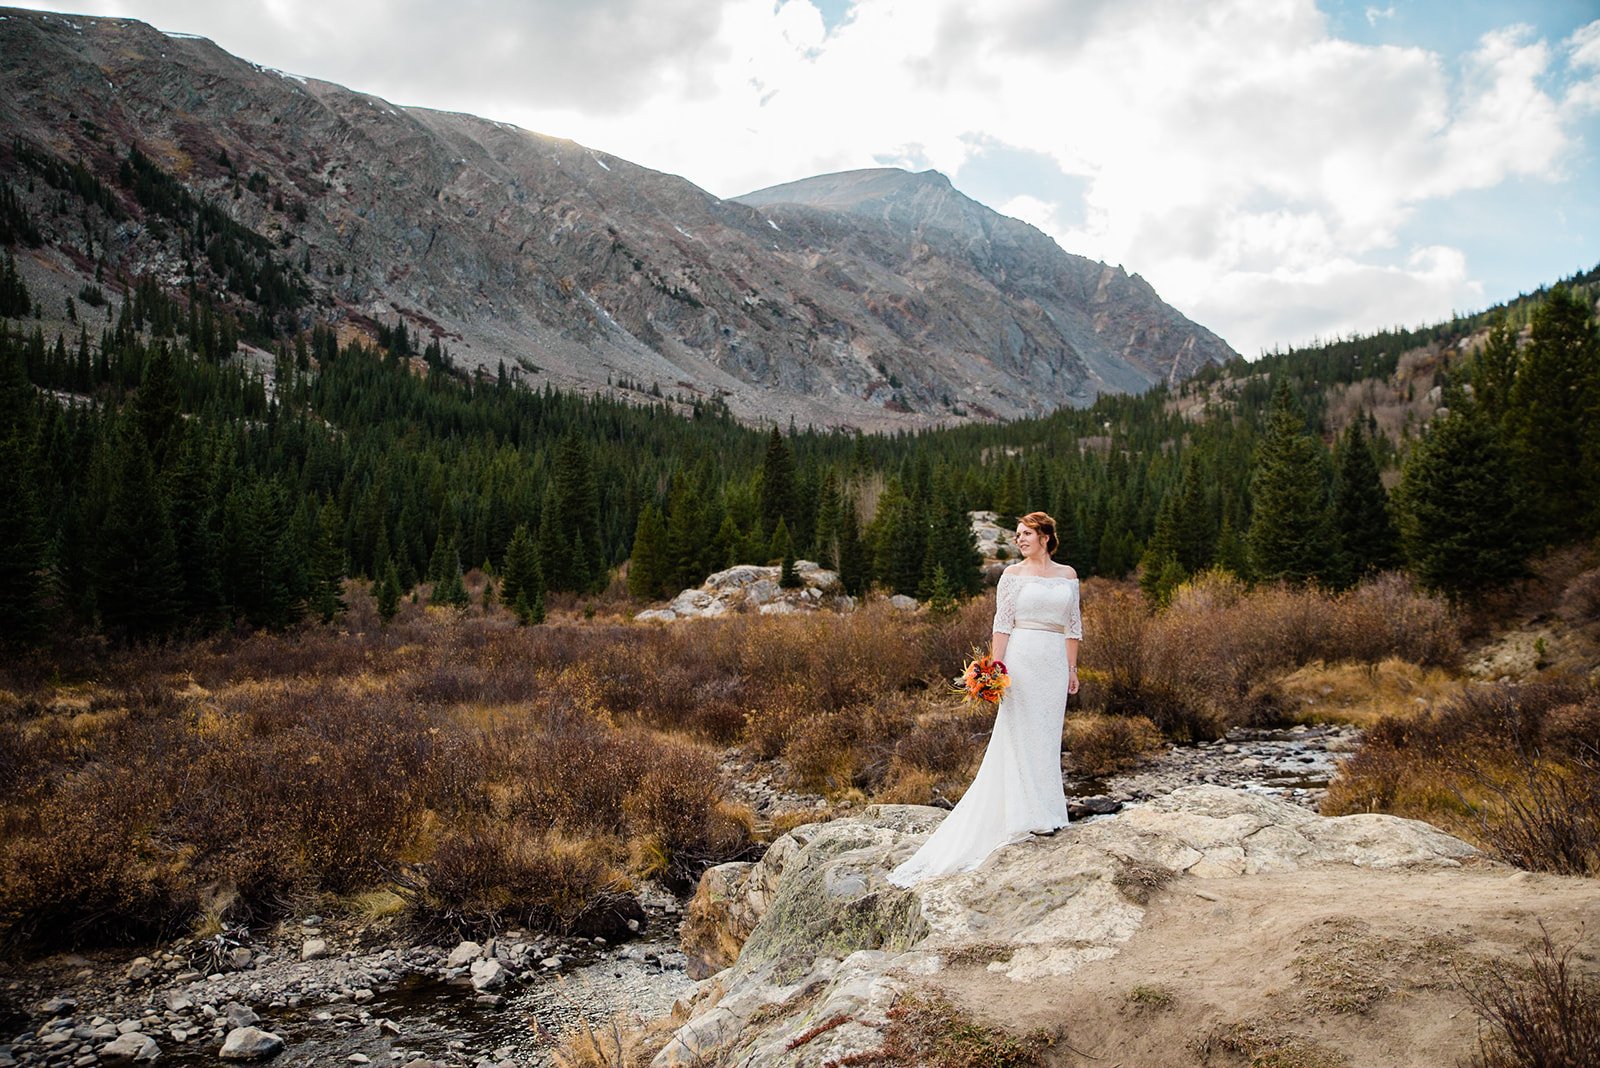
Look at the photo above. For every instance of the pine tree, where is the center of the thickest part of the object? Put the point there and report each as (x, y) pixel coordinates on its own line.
(1554, 418)
(1461, 520)
(938, 593)
(647, 579)
(449, 589)
(260, 562)
(778, 500)
(14, 300)
(854, 570)
(327, 564)
(725, 545)
(1494, 371)
(156, 406)
(1290, 536)
(23, 564)
(1366, 536)
(1008, 496)
(137, 583)
(387, 592)
(1160, 570)
(782, 546)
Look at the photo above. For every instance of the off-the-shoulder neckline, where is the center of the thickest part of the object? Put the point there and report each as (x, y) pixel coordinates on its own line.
(1052, 578)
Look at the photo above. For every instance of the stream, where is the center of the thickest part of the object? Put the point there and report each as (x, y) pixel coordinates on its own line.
(373, 999)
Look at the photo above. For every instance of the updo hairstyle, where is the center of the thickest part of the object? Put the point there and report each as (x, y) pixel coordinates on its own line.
(1041, 524)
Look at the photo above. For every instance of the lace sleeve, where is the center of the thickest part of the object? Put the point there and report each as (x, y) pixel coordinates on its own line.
(1005, 604)
(1075, 614)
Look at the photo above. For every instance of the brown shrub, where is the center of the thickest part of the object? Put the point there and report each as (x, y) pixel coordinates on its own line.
(486, 879)
(1546, 1016)
(1212, 658)
(1503, 764)
(1100, 745)
(678, 802)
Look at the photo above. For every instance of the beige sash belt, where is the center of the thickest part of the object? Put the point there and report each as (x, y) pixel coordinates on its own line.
(1036, 624)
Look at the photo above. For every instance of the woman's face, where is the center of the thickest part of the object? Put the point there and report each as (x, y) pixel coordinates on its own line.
(1028, 540)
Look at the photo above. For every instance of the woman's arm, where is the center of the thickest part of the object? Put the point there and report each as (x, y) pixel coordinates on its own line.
(1072, 665)
(997, 645)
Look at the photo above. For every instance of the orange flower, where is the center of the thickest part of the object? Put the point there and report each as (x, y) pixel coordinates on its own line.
(983, 679)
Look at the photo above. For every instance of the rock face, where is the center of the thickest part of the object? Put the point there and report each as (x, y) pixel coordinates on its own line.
(825, 935)
(876, 300)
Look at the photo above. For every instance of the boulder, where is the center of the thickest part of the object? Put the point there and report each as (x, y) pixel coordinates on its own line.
(131, 1048)
(817, 917)
(314, 949)
(249, 1044)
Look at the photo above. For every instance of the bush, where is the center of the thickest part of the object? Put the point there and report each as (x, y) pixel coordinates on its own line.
(1514, 767)
(490, 878)
(1545, 1017)
(1100, 745)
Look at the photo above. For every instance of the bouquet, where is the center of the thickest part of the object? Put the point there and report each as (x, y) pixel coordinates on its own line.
(984, 679)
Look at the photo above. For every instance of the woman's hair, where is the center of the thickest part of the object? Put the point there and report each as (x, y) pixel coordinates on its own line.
(1042, 525)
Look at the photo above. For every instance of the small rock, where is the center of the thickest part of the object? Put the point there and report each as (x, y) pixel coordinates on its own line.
(249, 1044)
(57, 1006)
(127, 1027)
(359, 1058)
(550, 962)
(240, 1015)
(313, 949)
(490, 1001)
(141, 968)
(178, 1001)
(464, 953)
(389, 1026)
(131, 1048)
(239, 958)
(488, 975)
(311, 921)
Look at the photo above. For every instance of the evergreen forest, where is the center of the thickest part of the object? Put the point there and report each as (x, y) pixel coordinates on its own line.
(162, 481)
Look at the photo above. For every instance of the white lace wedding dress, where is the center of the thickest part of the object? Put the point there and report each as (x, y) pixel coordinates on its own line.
(1018, 786)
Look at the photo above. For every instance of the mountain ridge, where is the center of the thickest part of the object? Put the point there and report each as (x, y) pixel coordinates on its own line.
(574, 267)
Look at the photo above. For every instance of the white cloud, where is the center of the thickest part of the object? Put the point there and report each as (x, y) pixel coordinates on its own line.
(1235, 152)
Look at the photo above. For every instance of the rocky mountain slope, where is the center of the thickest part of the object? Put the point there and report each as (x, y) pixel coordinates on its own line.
(895, 301)
(1208, 927)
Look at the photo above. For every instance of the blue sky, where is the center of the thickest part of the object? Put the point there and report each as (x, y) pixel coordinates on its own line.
(1279, 170)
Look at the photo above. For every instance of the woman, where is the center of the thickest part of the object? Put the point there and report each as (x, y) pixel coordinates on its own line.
(1017, 792)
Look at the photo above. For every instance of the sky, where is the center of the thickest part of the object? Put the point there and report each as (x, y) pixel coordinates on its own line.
(1279, 170)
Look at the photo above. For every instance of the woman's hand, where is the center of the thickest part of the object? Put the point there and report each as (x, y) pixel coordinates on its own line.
(1072, 680)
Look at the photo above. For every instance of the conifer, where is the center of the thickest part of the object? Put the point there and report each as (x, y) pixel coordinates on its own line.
(23, 563)
(855, 572)
(1290, 536)
(1554, 418)
(1461, 521)
(327, 565)
(387, 592)
(647, 579)
(1366, 536)
(137, 583)
(778, 500)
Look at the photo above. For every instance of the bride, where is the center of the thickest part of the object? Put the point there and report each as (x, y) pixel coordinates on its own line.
(1037, 627)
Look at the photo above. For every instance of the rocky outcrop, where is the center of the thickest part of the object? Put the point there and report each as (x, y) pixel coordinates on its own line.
(753, 588)
(573, 267)
(823, 936)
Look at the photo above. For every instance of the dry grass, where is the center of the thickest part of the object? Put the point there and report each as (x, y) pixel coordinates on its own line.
(1267, 1044)
(1362, 694)
(930, 1032)
(341, 759)
(1513, 767)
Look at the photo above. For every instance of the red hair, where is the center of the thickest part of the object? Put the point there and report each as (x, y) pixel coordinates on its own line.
(1041, 524)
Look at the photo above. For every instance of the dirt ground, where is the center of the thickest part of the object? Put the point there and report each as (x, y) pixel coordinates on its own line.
(1309, 969)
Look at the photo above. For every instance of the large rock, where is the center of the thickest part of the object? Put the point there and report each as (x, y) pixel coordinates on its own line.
(753, 588)
(249, 1044)
(818, 917)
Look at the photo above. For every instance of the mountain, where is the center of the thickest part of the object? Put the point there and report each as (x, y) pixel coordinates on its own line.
(871, 299)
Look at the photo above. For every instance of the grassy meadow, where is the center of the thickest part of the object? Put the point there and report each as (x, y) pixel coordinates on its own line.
(484, 774)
